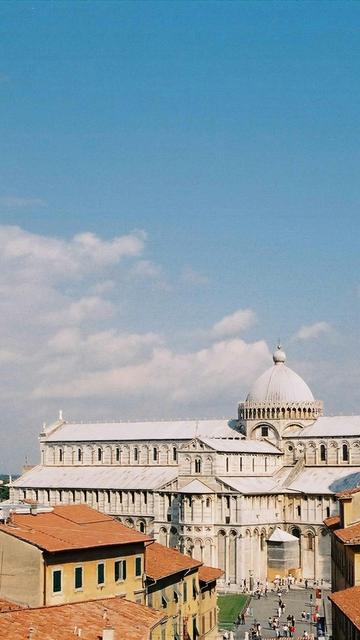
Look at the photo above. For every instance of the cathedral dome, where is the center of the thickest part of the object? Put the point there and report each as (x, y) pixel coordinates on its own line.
(279, 385)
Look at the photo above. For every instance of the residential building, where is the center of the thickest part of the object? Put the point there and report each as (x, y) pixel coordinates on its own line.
(185, 589)
(345, 566)
(70, 554)
(215, 489)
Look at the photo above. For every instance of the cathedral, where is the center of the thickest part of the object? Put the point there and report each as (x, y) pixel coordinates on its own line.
(248, 495)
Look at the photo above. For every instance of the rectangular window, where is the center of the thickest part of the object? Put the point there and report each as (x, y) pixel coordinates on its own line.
(117, 454)
(138, 566)
(119, 570)
(57, 580)
(264, 432)
(164, 599)
(194, 588)
(101, 573)
(78, 577)
(185, 591)
(155, 454)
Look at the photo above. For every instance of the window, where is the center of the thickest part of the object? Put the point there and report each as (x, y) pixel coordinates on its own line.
(57, 580)
(185, 592)
(117, 454)
(136, 454)
(264, 432)
(132, 496)
(345, 453)
(176, 630)
(227, 464)
(194, 588)
(155, 454)
(240, 463)
(197, 465)
(61, 455)
(119, 570)
(322, 453)
(174, 454)
(99, 454)
(208, 502)
(79, 456)
(138, 566)
(328, 512)
(310, 542)
(227, 502)
(78, 578)
(164, 599)
(211, 620)
(101, 574)
(298, 510)
(176, 594)
(142, 527)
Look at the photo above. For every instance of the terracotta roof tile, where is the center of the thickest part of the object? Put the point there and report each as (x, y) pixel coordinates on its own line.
(129, 620)
(161, 561)
(71, 527)
(332, 521)
(208, 574)
(349, 535)
(6, 605)
(347, 493)
(348, 601)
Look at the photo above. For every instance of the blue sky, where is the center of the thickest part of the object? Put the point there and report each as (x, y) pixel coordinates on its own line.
(224, 138)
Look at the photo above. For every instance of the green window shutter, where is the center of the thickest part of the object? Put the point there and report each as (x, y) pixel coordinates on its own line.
(57, 581)
(101, 573)
(138, 567)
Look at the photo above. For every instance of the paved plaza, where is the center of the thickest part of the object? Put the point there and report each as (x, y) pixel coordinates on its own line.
(296, 601)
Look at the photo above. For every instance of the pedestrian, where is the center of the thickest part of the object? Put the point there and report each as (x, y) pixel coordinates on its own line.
(270, 621)
(303, 615)
(243, 618)
(293, 620)
(279, 612)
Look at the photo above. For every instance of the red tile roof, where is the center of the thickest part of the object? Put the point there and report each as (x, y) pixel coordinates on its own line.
(6, 605)
(332, 521)
(347, 493)
(71, 527)
(348, 601)
(350, 534)
(208, 574)
(129, 620)
(161, 561)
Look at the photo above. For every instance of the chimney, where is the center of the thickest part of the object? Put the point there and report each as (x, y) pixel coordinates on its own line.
(33, 509)
(108, 633)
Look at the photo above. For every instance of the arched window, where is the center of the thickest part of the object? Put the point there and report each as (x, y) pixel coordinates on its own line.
(345, 453)
(328, 512)
(117, 454)
(99, 454)
(262, 542)
(197, 465)
(142, 527)
(298, 510)
(155, 454)
(136, 454)
(174, 452)
(227, 464)
(310, 542)
(79, 456)
(61, 455)
(208, 502)
(322, 453)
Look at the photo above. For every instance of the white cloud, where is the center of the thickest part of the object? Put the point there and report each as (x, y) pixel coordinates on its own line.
(311, 331)
(84, 309)
(234, 324)
(195, 376)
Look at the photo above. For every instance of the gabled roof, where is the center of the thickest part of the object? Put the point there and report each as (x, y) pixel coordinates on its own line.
(195, 486)
(97, 477)
(71, 527)
(326, 479)
(209, 574)
(335, 426)
(162, 561)
(348, 601)
(58, 622)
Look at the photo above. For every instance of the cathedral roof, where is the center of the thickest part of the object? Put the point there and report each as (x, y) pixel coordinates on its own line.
(279, 384)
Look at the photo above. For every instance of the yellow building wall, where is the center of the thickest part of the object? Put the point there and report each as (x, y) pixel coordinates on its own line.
(208, 612)
(132, 587)
(180, 610)
(21, 575)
